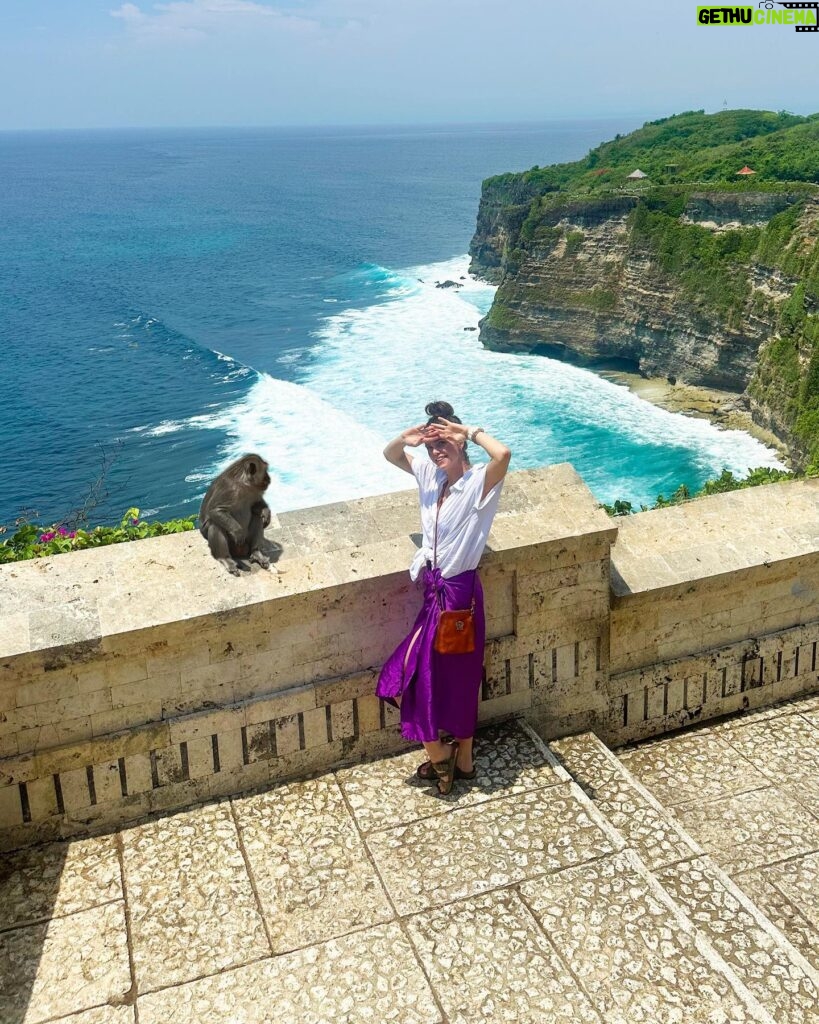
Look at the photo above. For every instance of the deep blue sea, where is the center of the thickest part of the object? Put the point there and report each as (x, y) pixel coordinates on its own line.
(171, 299)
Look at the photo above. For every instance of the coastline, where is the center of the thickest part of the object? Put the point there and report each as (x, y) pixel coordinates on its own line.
(724, 409)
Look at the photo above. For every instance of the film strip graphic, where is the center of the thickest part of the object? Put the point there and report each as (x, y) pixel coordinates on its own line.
(804, 7)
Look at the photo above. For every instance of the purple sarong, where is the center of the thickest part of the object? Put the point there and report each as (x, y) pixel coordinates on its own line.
(439, 692)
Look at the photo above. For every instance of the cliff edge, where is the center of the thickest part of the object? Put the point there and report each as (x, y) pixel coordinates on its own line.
(692, 272)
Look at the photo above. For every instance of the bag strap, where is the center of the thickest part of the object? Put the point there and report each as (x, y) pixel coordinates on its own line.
(437, 513)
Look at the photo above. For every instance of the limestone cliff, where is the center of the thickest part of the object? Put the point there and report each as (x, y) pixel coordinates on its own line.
(714, 285)
(589, 290)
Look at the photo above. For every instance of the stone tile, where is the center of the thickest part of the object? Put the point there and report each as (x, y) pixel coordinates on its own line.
(635, 957)
(386, 793)
(359, 979)
(753, 951)
(807, 705)
(785, 748)
(806, 792)
(67, 965)
(694, 766)
(781, 913)
(103, 1015)
(750, 829)
(654, 834)
(310, 868)
(41, 882)
(485, 846)
(754, 716)
(488, 961)
(192, 909)
(587, 760)
(798, 879)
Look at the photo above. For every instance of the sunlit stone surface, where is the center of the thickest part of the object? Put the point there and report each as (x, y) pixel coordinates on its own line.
(557, 887)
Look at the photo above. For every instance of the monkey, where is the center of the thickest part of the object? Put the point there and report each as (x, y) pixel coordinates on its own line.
(234, 514)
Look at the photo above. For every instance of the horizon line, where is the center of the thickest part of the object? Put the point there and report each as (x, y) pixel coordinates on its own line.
(330, 126)
(375, 125)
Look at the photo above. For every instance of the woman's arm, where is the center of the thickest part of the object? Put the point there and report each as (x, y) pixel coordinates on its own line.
(394, 452)
(499, 456)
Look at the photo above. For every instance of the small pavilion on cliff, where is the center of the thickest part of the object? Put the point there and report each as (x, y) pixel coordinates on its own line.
(636, 174)
(746, 170)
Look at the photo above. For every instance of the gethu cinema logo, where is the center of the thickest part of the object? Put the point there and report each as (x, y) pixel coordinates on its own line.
(803, 16)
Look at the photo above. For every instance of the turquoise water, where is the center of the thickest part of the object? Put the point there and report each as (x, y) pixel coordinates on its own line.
(172, 299)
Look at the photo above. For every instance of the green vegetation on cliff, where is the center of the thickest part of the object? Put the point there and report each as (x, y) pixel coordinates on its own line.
(734, 257)
(690, 147)
(725, 482)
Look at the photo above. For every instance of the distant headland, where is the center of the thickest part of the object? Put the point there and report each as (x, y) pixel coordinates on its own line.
(687, 250)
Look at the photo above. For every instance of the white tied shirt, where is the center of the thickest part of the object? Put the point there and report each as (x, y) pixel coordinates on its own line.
(464, 521)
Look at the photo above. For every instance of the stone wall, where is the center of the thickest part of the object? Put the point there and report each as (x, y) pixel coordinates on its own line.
(142, 677)
(714, 608)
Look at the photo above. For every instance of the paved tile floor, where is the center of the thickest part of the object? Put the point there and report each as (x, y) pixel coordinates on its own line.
(336, 899)
(747, 789)
(361, 896)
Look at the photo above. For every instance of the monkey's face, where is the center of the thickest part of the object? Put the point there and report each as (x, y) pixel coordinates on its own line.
(257, 474)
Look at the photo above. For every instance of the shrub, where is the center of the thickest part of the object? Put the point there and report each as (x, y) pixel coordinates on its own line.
(726, 481)
(32, 540)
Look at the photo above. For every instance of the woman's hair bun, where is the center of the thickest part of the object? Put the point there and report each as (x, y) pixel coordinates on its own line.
(443, 409)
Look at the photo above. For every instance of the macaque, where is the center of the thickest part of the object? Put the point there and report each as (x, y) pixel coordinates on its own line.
(234, 514)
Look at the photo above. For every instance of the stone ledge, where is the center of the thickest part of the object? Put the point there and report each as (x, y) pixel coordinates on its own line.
(715, 536)
(143, 677)
(85, 596)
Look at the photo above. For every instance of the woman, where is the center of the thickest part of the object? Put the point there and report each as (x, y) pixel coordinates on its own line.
(439, 692)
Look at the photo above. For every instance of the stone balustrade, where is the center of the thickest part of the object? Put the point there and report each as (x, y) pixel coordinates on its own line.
(142, 677)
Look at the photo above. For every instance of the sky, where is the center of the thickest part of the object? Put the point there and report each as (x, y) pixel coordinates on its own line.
(109, 64)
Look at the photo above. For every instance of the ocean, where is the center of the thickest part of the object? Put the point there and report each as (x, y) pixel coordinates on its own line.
(172, 299)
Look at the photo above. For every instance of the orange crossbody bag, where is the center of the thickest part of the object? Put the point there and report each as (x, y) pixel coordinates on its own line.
(455, 633)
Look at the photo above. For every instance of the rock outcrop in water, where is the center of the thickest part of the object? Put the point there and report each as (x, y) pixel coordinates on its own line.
(714, 284)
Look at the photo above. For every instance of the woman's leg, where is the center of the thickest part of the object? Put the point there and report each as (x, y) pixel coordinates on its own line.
(442, 757)
(464, 759)
(438, 751)
(410, 647)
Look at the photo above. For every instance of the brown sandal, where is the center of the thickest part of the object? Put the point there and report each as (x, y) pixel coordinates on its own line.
(426, 773)
(445, 770)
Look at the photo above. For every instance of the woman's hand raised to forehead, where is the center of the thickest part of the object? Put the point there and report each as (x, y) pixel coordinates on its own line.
(414, 436)
(446, 430)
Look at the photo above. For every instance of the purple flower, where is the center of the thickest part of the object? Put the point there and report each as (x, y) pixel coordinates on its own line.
(63, 532)
(134, 522)
(46, 537)
(72, 535)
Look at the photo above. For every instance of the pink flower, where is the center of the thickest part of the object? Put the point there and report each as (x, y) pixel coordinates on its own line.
(46, 537)
(134, 522)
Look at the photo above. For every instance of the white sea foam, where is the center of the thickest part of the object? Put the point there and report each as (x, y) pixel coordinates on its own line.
(384, 362)
(316, 452)
(167, 427)
(288, 358)
(373, 369)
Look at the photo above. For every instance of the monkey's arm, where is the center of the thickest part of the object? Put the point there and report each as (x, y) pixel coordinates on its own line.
(261, 509)
(222, 518)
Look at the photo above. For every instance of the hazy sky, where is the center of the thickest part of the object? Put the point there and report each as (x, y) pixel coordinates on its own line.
(104, 63)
